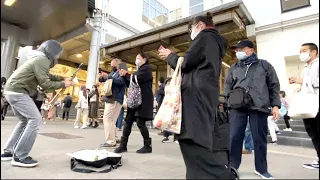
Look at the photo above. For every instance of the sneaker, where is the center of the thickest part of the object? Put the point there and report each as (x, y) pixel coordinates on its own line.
(176, 141)
(107, 145)
(287, 129)
(278, 132)
(44, 122)
(26, 162)
(160, 133)
(76, 127)
(265, 175)
(313, 165)
(166, 140)
(273, 142)
(84, 127)
(6, 156)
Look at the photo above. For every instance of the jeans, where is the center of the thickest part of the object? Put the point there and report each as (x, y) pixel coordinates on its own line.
(24, 135)
(120, 119)
(248, 142)
(259, 129)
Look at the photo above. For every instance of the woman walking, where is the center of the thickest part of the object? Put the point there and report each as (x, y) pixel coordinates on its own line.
(94, 106)
(145, 111)
(82, 109)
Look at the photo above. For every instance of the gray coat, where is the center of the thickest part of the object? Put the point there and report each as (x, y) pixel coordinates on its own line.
(265, 86)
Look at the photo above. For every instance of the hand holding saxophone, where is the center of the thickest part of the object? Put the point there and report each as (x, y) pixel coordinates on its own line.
(68, 82)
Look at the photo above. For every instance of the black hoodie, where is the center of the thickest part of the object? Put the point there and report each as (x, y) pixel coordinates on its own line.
(200, 87)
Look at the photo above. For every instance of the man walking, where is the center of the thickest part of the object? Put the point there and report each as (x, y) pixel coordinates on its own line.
(310, 80)
(113, 103)
(252, 87)
(22, 83)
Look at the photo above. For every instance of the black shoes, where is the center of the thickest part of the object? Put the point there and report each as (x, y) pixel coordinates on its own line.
(6, 156)
(123, 146)
(27, 162)
(146, 148)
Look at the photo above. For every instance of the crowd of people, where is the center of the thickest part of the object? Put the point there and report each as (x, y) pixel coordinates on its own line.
(252, 90)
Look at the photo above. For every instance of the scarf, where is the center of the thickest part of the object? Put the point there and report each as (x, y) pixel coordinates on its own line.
(249, 60)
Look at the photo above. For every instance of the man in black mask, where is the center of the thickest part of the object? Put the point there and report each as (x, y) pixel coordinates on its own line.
(114, 104)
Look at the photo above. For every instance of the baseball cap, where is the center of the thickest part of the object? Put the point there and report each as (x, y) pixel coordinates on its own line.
(243, 43)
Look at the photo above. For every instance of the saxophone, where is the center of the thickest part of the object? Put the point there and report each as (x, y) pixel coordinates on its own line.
(55, 98)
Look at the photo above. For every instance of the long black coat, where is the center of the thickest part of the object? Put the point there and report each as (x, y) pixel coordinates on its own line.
(200, 86)
(144, 76)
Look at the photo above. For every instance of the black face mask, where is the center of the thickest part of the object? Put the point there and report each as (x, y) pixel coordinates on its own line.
(114, 69)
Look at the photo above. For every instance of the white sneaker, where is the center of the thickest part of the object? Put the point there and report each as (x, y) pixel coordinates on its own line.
(84, 127)
(76, 127)
(287, 129)
(44, 122)
(176, 141)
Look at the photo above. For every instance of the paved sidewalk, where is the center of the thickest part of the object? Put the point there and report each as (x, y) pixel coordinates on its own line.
(164, 163)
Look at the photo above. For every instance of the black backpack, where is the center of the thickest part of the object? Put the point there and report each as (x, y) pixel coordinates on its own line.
(67, 102)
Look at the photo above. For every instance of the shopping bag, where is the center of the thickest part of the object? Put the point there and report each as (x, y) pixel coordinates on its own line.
(304, 105)
(107, 88)
(169, 115)
(134, 99)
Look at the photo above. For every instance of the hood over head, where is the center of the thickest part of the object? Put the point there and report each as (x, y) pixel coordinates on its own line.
(222, 42)
(51, 49)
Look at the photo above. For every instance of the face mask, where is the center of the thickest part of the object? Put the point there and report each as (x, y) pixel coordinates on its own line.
(114, 69)
(241, 55)
(304, 57)
(138, 62)
(194, 34)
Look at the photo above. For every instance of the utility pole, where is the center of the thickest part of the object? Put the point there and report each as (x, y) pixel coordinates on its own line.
(96, 26)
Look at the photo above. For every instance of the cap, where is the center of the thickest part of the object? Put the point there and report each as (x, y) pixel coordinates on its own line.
(243, 43)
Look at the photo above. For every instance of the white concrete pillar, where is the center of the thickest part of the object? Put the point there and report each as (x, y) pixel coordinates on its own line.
(9, 50)
(94, 50)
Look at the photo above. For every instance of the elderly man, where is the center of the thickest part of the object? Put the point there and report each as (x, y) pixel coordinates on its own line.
(113, 103)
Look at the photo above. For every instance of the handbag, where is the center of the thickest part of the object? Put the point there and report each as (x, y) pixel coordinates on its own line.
(134, 99)
(304, 105)
(169, 115)
(107, 88)
(239, 98)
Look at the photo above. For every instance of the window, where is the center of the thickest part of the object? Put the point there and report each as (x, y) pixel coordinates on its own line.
(290, 5)
(196, 6)
(175, 14)
(154, 13)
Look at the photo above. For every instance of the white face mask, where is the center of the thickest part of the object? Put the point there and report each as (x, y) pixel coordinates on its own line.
(241, 55)
(304, 57)
(193, 33)
(138, 62)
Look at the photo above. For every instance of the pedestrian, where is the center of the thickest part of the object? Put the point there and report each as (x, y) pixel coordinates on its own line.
(45, 107)
(24, 80)
(248, 141)
(94, 106)
(52, 110)
(145, 111)
(66, 105)
(160, 92)
(204, 158)
(113, 103)
(252, 88)
(310, 84)
(4, 102)
(120, 119)
(285, 105)
(40, 98)
(82, 109)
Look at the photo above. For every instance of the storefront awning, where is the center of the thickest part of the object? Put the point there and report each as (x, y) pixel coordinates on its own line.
(230, 19)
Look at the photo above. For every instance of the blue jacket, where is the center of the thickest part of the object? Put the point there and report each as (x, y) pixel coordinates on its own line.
(118, 86)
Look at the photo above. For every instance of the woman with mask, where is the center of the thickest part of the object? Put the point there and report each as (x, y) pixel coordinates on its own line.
(94, 106)
(23, 82)
(145, 111)
(202, 154)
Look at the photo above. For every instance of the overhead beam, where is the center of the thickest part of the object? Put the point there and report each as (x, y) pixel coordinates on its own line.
(78, 50)
(80, 40)
(73, 33)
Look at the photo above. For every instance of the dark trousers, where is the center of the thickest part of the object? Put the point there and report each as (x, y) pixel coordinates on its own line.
(202, 163)
(166, 134)
(259, 129)
(141, 123)
(120, 119)
(286, 119)
(4, 111)
(65, 114)
(38, 104)
(312, 128)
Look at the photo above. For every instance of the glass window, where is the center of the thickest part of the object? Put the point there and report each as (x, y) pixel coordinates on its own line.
(153, 3)
(164, 20)
(165, 11)
(146, 1)
(145, 9)
(195, 2)
(158, 19)
(158, 7)
(196, 9)
(152, 12)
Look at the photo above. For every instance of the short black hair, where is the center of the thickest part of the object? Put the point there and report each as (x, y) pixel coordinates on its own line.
(283, 93)
(68, 94)
(161, 79)
(312, 47)
(144, 56)
(206, 19)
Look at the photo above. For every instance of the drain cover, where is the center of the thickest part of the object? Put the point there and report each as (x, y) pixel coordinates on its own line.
(61, 135)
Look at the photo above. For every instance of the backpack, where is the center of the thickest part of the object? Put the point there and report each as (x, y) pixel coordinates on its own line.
(67, 102)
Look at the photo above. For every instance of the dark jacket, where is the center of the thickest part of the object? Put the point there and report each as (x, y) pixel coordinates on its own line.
(118, 86)
(144, 77)
(160, 94)
(200, 86)
(265, 86)
(67, 102)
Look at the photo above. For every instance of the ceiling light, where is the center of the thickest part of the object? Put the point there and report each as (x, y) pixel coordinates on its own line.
(9, 2)
(79, 55)
(130, 69)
